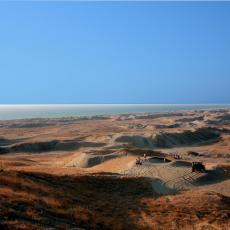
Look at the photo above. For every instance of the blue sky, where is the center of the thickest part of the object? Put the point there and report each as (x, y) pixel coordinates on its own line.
(115, 52)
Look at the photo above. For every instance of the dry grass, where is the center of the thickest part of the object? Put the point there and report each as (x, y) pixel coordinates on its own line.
(44, 201)
(90, 202)
(2, 166)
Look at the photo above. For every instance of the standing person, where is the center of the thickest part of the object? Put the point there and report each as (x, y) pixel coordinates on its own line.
(144, 156)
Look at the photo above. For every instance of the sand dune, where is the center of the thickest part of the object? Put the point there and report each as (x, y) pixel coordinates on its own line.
(92, 180)
(166, 140)
(54, 145)
(116, 165)
(89, 160)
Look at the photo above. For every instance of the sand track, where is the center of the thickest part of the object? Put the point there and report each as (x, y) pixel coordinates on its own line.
(167, 179)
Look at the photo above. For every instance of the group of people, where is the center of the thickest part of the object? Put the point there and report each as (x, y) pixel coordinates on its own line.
(177, 156)
(141, 160)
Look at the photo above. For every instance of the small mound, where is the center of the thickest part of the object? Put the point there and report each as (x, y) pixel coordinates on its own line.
(181, 164)
(116, 165)
(158, 160)
(90, 160)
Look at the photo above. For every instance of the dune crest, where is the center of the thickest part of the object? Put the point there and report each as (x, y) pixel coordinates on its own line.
(171, 139)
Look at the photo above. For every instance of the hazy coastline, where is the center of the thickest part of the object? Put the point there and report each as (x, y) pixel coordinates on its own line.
(11, 112)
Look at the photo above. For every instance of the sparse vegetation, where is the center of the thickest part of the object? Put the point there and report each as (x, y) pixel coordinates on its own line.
(42, 201)
(2, 167)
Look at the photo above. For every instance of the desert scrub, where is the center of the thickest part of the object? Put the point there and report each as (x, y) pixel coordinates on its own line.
(2, 166)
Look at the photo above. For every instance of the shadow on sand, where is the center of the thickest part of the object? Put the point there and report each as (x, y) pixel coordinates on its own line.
(67, 202)
(46, 146)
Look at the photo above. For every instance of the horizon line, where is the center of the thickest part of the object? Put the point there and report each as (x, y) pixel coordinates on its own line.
(96, 104)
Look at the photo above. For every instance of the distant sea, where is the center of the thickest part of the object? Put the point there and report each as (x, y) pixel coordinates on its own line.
(9, 112)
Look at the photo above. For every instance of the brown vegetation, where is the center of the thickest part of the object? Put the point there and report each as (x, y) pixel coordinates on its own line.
(44, 201)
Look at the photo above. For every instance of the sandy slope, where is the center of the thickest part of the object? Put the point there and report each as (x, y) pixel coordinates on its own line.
(169, 178)
(114, 166)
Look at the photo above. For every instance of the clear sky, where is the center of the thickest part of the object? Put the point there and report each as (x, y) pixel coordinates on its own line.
(115, 52)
